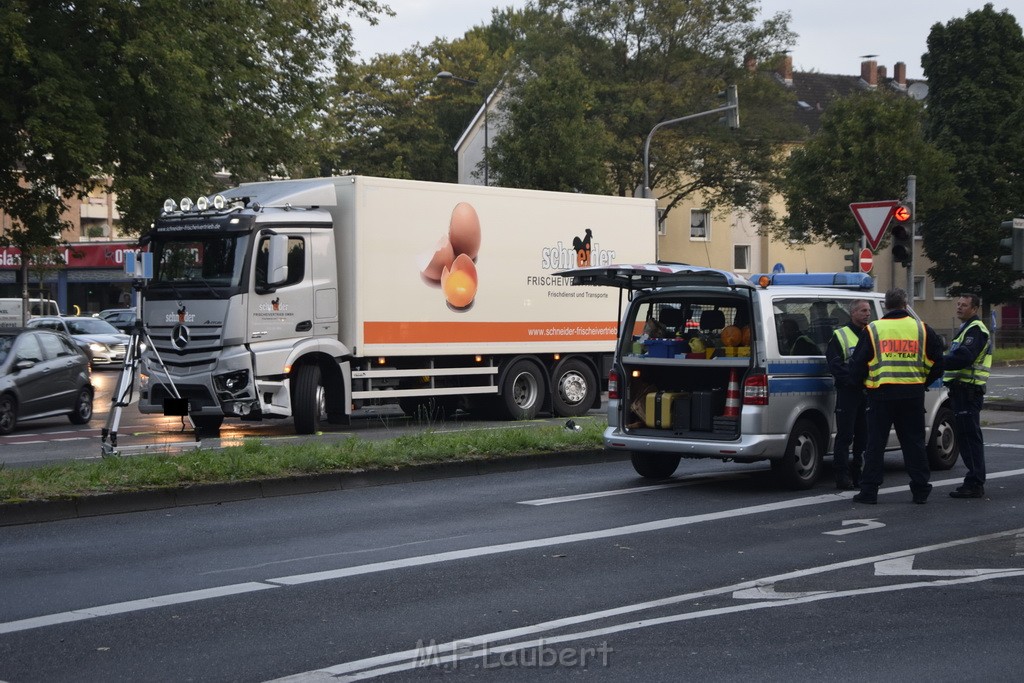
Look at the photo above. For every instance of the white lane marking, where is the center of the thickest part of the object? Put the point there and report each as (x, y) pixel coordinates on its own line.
(863, 525)
(682, 481)
(131, 606)
(412, 657)
(73, 438)
(1000, 429)
(904, 566)
(147, 603)
(769, 593)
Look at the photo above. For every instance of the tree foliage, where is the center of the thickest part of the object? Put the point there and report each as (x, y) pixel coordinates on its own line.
(593, 78)
(866, 147)
(975, 71)
(160, 95)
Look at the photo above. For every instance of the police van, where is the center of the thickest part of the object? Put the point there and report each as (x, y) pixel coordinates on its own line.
(712, 365)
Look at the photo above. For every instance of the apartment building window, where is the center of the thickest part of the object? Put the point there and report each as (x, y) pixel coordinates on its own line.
(700, 225)
(662, 228)
(741, 258)
(940, 291)
(919, 287)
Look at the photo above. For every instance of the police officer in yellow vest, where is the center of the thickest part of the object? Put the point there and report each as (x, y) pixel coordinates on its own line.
(897, 358)
(967, 368)
(851, 426)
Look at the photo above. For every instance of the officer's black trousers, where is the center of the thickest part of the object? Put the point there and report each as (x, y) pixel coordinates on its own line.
(907, 416)
(967, 402)
(851, 427)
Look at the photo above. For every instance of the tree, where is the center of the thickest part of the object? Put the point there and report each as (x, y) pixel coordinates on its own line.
(159, 95)
(866, 147)
(633, 65)
(975, 71)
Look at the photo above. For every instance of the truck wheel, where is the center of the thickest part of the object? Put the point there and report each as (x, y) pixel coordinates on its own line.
(942, 448)
(208, 425)
(575, 387)
(309, 405)
(522, 391)
(82, 412)
(800, 468)
(654, 465)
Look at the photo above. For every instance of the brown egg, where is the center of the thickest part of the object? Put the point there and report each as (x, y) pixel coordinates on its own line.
(464, 230)
(433, 263)
(460, 282)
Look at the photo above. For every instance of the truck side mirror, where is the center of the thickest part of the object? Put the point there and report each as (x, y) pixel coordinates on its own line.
(277, 260)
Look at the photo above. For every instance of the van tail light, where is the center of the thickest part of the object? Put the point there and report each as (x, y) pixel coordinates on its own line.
(755, 389)
(613, 385)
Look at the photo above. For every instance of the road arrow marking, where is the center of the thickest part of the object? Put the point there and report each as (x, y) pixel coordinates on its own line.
(904, 566)
(865, 524)
(769, 593)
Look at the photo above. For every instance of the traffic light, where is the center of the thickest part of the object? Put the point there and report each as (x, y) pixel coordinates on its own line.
(1012, 244)
(853, 257)
(732, 99)
(902, 240)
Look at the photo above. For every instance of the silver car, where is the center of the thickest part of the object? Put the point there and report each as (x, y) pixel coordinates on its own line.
(101, 341)
(42, 374)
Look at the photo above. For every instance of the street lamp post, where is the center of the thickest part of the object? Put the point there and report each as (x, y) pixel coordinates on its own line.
(448, 75)
(732, 109)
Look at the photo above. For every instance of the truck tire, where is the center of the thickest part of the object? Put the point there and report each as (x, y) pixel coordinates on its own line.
(801, 466)
(309, 405)
(574, 388)
(654, 465)
(942, 448)
(522, 391)
(207, 425)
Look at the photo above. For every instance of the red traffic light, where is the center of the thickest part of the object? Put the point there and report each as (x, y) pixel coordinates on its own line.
(901, 213)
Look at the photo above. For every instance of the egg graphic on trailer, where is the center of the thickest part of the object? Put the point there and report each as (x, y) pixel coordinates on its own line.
(464, 230)
(460, 283)
(433, 263)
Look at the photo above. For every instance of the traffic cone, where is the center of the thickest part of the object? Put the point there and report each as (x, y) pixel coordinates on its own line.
(732, 395)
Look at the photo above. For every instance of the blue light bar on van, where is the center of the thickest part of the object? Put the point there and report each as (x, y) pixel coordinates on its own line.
(861, 281)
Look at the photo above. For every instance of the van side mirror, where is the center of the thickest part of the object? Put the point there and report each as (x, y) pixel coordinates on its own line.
(277, 260)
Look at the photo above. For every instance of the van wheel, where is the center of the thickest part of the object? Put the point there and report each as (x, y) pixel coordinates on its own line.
(522, 391)
(654, 465)
(309, 404)
(942, 448)
(800, 468)
(574, 390)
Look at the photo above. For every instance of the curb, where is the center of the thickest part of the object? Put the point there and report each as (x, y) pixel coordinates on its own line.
(32, 512)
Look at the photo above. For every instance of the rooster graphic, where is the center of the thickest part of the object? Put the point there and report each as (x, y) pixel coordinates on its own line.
(582, 247)
(276, 303)
(181, 314)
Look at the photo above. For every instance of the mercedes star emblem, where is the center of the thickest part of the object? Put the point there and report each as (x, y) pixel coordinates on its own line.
(179, 337)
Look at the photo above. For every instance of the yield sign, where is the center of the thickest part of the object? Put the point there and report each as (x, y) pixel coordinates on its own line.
(873, 218)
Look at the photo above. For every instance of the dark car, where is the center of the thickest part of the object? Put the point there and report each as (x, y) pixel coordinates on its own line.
(121, 318)
(101, 341)
(42, 374)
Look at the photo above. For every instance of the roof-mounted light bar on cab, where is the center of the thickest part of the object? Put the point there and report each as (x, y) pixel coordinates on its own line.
(218, 203)
(861, 281)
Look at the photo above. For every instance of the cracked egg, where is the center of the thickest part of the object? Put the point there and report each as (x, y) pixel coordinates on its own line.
(460, 282)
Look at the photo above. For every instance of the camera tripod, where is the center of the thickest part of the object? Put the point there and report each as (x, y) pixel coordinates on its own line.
(125, 386)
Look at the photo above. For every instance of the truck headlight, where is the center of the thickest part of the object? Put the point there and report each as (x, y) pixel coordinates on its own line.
(232, 382)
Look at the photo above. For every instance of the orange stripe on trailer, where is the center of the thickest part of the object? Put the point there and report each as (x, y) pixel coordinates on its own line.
(378, 332)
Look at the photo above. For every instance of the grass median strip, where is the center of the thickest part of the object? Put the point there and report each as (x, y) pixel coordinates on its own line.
(255, 460)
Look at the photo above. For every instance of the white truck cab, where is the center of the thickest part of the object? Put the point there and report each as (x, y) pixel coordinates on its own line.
(712, 365)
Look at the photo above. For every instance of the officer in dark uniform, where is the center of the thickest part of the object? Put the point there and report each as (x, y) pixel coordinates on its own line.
(897, 358)
(967, 368)
(851, 426)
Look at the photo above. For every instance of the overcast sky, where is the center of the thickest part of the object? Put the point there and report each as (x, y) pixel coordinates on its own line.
(833, 34)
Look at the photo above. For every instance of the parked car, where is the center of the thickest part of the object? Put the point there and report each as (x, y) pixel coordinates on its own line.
(42, 374)
(103, 343)
(121, 318)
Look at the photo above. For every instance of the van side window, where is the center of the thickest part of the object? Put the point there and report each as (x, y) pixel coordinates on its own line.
(793, 326)
(296, 261)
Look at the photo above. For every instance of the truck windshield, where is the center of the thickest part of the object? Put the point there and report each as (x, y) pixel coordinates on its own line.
(203, 261)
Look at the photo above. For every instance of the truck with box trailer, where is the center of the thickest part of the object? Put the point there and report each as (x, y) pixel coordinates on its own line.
(310, 298)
